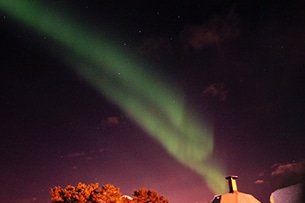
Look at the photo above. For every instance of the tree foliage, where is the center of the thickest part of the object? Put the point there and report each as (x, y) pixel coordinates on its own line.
(148, 196)
(108, 193)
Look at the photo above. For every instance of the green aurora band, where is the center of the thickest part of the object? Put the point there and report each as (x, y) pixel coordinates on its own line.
(155, 105)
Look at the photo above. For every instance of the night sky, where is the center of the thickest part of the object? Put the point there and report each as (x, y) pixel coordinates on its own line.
(240, 65)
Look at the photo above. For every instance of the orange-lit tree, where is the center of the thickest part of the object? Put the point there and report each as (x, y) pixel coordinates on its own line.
(148, 196)
(92, 193)
(83, 193)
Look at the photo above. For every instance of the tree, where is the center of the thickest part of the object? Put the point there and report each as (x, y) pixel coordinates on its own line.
(148, 196)
(108, 193)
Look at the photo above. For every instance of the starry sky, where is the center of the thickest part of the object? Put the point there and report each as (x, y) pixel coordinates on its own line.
(236, 68)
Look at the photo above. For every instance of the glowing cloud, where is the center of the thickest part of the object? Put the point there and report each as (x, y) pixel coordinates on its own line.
(154, 104)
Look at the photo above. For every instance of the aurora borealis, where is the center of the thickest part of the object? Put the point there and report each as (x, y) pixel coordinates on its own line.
(214, 94)
(140, 94)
